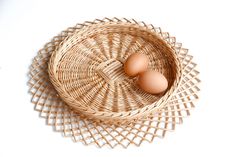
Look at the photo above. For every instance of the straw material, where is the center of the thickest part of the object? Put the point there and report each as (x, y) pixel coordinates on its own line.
(85, 70)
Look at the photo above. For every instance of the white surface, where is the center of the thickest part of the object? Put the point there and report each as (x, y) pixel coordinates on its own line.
(207, 28)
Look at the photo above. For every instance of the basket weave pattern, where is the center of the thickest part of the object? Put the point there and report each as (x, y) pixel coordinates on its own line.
(87, 70)
(165, 112)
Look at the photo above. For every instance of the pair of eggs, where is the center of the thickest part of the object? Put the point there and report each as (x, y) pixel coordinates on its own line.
(150, 81)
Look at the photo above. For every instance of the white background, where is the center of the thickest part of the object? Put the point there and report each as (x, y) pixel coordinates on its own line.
(207, 28)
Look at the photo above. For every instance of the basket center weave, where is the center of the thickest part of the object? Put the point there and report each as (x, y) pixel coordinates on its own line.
(111, 71)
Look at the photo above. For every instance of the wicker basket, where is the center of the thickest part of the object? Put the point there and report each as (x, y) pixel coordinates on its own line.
(85, 69)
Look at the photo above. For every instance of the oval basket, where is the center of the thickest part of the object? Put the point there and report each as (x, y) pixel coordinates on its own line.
(87, 69)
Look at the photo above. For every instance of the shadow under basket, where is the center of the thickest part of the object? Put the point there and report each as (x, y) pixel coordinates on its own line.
(79, 85)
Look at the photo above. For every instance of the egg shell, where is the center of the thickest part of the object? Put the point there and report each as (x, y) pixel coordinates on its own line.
(152, 82)
(136, 63)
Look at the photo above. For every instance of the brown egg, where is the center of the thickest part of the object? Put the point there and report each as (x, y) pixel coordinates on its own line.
(135, 64)
(152, 82)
